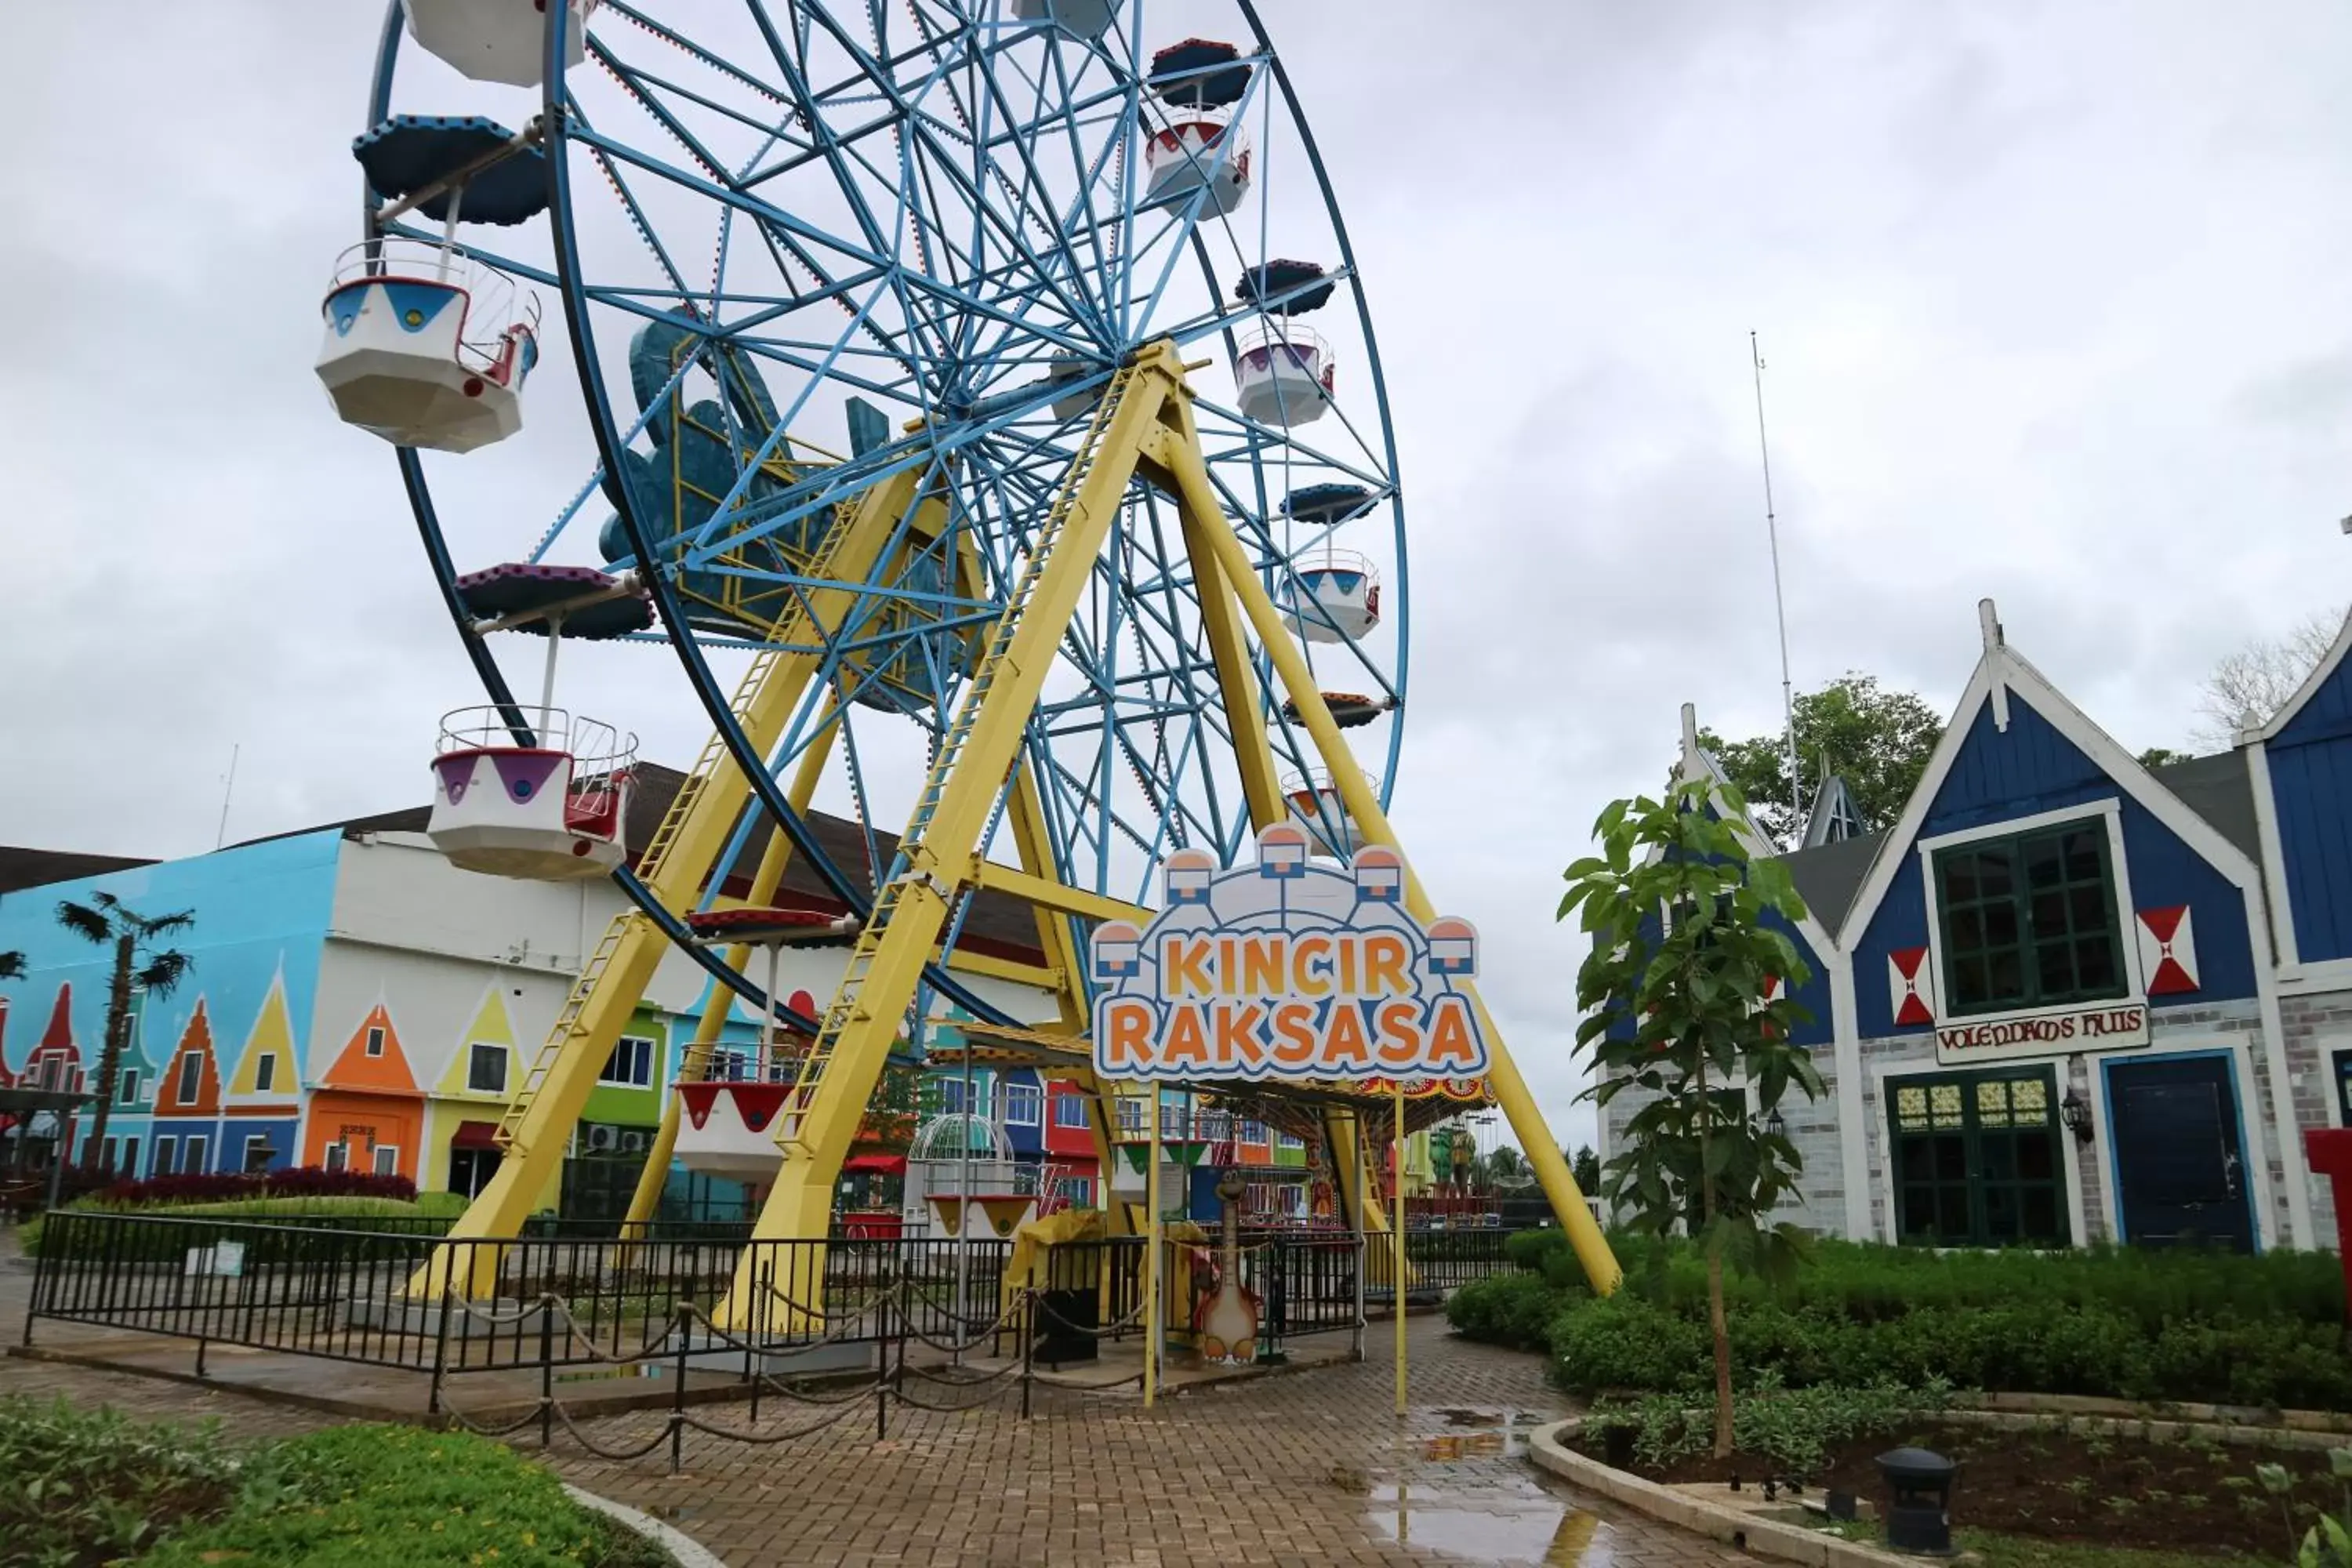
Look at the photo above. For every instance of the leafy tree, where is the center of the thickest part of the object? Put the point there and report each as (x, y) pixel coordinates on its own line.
(1878, 741)
(2254, 680)
(1507, 1167)
(1673, 1012)
(12, 966)
(139, 963)
(1585, 1166)
(2163, 756)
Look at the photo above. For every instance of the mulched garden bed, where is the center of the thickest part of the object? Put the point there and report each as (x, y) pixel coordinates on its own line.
(2062, 1481)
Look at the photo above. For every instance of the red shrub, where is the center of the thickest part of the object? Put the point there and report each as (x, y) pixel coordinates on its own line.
(305, 1181)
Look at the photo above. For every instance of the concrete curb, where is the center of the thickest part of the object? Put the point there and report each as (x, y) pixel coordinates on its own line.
(689, 1552)
(1764, 1537)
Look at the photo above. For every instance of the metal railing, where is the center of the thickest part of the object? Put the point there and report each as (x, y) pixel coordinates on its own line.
(585, 1294)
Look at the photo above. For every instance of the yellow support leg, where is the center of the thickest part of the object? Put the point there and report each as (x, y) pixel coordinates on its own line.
(975, 763)
(687, 849)
(775, 861)
(1200, 503)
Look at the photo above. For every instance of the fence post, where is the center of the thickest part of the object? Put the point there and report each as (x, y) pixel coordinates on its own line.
(882, 1361)
(1028, 1351)
(546, 1369)
(1356, 1335)
(683, 1316)
(44, 1264)
(440, 1351)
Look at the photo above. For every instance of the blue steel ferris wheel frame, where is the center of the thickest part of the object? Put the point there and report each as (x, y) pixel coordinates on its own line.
(562, 126)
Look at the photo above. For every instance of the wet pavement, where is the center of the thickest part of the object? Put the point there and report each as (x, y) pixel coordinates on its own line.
(1307, 1468)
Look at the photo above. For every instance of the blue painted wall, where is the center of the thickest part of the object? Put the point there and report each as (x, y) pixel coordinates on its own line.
(2031, 769)
(2311, 784)
(259, 909)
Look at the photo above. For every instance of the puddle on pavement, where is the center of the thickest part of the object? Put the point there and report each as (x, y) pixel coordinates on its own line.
(1501, 1514)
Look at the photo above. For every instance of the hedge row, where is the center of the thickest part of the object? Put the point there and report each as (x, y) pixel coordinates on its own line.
(301, 1182)
(2133, 1325)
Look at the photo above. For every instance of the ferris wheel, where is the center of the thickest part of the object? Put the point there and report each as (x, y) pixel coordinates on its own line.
(982, 407)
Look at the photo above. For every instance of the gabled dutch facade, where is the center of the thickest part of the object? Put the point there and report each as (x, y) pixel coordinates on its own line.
(2064, 998)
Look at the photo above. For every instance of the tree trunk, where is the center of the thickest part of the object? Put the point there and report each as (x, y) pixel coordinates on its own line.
(1722, 1332)
(109, 1056)
(1715, 1318)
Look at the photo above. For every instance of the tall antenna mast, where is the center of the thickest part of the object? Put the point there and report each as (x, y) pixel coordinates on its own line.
(1779, 608)
(227, 789)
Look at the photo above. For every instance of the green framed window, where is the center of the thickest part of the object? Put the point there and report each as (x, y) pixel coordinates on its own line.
(2030, 920)
(1976, 1158)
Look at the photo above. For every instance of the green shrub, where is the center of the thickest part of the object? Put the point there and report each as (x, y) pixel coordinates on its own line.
(397, 1497)
(1796, 1428)
(1513, 1309)
(1630, 1343)
(87, 1487)
(1621, 1343)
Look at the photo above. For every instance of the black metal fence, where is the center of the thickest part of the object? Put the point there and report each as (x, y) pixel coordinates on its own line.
(693, 1298)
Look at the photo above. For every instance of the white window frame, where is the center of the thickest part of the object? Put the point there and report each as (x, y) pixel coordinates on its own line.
(265, 1073)
(1070, 1110)
(474, 1060)
(375, 1039)
(126, 1087)
(384, 1158)
(1024, 1105)
(2135, 993)
(642, 1081)
(192, 1079)
(269, 1153)
(167, 1156)
(195, 1151)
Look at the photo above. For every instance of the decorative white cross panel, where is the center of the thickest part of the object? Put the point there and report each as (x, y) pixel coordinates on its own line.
(1911, 985)
(2168, 950)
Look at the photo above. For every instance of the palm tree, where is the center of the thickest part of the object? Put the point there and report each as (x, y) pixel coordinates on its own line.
(138, 963)
(12, 966)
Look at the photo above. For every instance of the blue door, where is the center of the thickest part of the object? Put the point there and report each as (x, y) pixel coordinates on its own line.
(2180, 1160)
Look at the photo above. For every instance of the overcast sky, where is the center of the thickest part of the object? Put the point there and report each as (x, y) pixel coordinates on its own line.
(2052, 297)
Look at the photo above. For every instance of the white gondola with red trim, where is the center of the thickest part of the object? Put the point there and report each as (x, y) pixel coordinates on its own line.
(426, 346)
(1283, 375)
(1333, 597)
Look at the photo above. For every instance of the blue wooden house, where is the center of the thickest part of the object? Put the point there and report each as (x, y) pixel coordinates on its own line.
(2063, 997)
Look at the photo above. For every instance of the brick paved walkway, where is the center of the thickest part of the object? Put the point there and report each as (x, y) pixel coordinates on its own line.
(1310, 1467)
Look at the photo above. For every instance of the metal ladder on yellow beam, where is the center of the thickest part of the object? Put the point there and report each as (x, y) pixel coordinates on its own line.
(918, 865)
(783, 637)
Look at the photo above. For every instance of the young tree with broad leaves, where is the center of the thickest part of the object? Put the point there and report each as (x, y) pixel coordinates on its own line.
(140, 964)
(1682, 959)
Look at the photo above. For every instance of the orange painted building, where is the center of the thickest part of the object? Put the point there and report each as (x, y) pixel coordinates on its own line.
(366, 1113)
(186, 1117)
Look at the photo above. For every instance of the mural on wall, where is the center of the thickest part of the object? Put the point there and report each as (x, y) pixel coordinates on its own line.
(366, 1113)
(261, 919)
(186, 1117)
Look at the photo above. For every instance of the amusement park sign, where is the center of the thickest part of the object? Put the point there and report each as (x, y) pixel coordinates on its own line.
(1287, 969)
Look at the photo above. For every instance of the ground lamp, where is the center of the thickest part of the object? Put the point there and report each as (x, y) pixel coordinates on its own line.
(2075, 1112)
(1920, 1518)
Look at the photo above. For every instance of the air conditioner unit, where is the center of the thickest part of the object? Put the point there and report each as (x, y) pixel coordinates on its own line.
(600, 1139)
(632, 1142)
